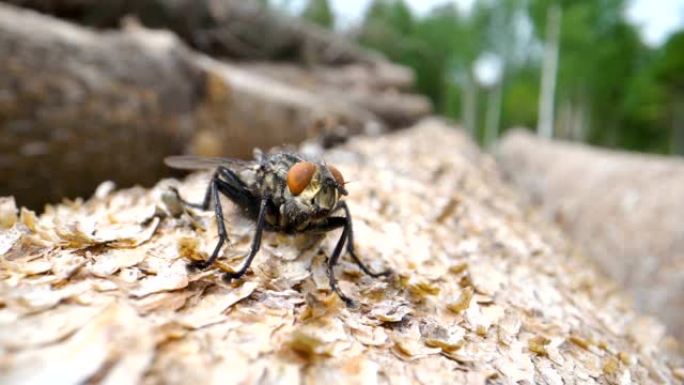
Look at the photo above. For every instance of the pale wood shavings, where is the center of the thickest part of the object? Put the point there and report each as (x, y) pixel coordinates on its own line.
(8, 237)
(172, 277)
(390, 311)
(80, 356)
(210, 309)
(98, 292)
(8, 212)
(448, 338)
(113, 260)
(46, 327)
(42, 297)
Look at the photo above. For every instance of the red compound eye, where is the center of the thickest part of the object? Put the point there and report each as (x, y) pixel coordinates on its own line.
(300, 176)
(337, 175)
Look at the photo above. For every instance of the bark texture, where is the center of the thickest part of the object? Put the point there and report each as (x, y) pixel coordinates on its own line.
(483, 293)
(379, 88)
(624, 209)
(223, 28)
(77, 107)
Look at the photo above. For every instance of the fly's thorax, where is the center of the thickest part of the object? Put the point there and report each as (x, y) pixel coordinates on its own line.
(271, 181)
(271, 184)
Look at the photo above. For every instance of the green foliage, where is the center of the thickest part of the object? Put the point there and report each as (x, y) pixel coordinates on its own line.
(319, 12)
(669, 69)
(425, 45)
(654, 101)
(622, 93)
(520, 98)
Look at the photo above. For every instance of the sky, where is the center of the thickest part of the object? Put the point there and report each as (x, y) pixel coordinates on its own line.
(655, 18)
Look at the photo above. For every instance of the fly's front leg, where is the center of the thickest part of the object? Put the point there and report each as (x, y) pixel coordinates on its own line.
(350, 244)
(232, 188)
(256, 243)
(332, 261)
(345, 222)
(212, 193)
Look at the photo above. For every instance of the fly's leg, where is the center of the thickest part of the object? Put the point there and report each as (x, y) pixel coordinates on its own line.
(332, 261)
(235, 190)
(212, 192)
(256, 243)
(230, 186)
(350, 245)
(331, 224)
(335, 223)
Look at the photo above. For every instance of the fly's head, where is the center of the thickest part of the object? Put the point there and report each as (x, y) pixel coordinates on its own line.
(316, 187)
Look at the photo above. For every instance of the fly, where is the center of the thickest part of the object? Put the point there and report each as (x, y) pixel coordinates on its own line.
(281, 192)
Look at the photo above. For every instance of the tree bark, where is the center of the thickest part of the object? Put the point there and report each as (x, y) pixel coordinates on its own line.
(470, 102)
(77, 107)
(677, 147)
(224, 28)
(493, 116)
(373, 88)
(481, 292)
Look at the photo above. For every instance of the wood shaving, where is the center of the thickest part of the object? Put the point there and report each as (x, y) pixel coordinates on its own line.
(483, 292)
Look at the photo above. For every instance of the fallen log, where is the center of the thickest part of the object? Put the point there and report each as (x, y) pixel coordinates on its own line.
(624, 209)
(244, 110)
(482, 292)
(378, 77)
(78, 105)
(370, 87)
(227, 28)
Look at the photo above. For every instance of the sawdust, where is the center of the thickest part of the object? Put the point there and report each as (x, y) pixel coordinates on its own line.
(97, 291)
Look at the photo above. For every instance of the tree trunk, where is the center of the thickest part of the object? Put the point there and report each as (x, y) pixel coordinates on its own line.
(678, 127)
(481, 293)
(470, 102)
(549, 71)
(493, 116)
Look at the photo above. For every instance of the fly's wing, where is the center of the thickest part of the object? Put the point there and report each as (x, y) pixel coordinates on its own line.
(190, 162)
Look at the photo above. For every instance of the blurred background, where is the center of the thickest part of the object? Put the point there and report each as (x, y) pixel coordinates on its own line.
(605, 72)
(95, 90)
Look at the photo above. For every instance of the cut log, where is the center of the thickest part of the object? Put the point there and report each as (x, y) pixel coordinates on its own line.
(378, 77)
(224, 28)
(481, 293)
(243, 110)
(371, 87)
(624, 209)
(77, 106)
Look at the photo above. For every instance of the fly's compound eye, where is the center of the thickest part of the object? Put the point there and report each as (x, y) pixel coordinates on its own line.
(300, 176)
(337, 175)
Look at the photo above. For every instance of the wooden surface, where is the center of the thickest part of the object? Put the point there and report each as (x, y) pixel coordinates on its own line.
(625, 210)
(484, 292)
